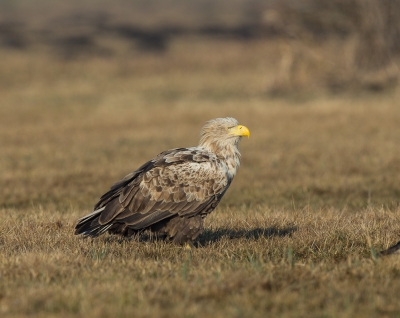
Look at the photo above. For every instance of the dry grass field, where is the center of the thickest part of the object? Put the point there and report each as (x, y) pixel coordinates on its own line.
(297, 233)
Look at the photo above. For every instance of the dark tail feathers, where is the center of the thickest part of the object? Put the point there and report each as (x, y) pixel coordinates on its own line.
(89, 225)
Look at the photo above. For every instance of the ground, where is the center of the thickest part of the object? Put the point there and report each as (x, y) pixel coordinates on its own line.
(297, 233)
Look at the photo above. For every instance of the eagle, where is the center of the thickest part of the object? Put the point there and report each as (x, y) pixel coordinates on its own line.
(171, 194)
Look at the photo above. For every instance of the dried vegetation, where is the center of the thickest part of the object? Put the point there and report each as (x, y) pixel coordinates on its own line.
(296, 235)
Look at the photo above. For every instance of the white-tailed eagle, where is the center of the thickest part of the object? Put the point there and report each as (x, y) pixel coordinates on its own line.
(172, 193)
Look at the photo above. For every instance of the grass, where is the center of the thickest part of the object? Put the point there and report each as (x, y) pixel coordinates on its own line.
(248, 263)
(296, 235)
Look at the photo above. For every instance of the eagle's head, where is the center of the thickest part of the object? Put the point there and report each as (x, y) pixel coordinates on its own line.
(222, 135)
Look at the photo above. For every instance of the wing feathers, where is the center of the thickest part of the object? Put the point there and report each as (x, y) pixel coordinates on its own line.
(184, 182)
(128, 192)
(90, 215)
(111, 210)
(151, 219)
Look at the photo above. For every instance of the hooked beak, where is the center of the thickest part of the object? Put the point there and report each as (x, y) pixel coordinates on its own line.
(240, 130)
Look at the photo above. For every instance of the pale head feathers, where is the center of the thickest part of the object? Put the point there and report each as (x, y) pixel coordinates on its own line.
(221, 136)
(215, 135)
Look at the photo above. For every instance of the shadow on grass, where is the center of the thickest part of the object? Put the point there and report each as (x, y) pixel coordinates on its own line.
(211, 236)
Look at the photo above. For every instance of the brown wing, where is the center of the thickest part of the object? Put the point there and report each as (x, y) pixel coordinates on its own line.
(181, 181)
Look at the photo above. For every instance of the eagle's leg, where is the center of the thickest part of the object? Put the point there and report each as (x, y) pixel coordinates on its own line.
(183, 231)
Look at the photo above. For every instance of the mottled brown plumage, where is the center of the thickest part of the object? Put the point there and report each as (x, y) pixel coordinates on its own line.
(172, 193)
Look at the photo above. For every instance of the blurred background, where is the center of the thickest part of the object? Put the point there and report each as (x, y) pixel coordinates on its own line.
(313, 45)
(89, 90)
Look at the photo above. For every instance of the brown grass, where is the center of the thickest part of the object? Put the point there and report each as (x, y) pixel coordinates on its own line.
(296, 235)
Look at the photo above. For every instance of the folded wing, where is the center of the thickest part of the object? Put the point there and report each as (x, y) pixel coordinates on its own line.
(185, 181)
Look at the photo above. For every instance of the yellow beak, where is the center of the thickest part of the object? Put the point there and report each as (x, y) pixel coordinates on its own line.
(240, 130)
